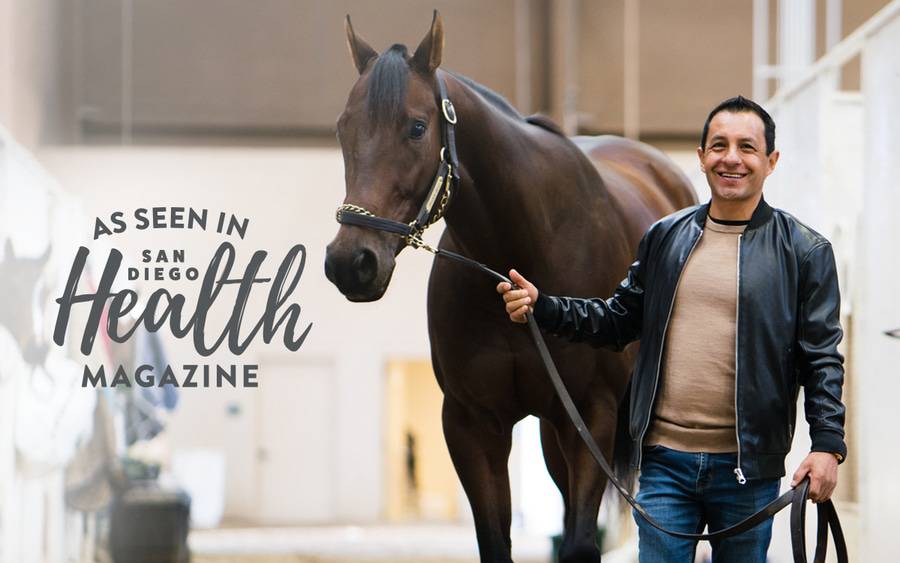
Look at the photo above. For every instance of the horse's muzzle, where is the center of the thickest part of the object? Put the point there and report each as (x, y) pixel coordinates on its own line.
(354, 273)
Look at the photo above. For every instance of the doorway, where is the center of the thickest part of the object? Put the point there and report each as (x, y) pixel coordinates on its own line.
(421, 482)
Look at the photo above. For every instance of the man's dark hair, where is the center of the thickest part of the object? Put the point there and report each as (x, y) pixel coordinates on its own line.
(739, 104)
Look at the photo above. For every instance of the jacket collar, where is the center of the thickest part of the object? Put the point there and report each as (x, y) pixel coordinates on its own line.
(761, 214)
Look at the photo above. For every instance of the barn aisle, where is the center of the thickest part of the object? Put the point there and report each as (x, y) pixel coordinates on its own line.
(423, 543)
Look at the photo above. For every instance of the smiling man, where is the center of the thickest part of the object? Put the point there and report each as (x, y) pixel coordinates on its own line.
(736, 305)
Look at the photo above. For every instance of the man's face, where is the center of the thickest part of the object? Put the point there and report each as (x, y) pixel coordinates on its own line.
(735, 160)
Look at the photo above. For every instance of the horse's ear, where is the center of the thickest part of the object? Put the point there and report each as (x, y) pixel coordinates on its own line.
(428, 54)
(360, 51)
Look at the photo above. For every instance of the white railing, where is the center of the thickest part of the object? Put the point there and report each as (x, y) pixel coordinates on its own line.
(840, 54)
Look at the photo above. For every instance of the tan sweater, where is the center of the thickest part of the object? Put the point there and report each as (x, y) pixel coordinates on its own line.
(695, 401)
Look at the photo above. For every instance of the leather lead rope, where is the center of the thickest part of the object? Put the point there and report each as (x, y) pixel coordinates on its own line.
(796, 497)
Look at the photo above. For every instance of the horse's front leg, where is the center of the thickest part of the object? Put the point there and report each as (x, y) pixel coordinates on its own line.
(480, 453)
(586, 482)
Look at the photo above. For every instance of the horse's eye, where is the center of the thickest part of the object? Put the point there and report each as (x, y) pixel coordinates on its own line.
(417, 130)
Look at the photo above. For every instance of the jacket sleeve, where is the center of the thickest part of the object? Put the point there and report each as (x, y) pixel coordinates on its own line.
(611, 323)
(821, 365)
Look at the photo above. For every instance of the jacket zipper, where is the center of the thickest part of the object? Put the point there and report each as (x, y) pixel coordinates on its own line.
(662, 346)
(739, 474)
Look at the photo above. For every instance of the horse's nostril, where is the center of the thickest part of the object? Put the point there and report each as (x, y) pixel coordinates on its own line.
(365, 265)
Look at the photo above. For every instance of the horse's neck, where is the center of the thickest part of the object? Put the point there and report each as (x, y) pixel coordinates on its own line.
(506, 200)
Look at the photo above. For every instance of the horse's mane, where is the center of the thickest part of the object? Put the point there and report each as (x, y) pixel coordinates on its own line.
(387, 85)
(387, 91)
(492, 97)
(503, 105)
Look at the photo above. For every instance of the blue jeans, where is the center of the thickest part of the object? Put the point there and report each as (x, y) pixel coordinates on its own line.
(685, 492)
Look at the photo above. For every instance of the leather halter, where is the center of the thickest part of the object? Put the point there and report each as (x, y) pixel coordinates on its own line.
(447, 177)
(445, 181)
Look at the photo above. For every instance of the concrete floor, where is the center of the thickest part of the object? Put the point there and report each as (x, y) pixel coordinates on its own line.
(422, 543)
(309, 559)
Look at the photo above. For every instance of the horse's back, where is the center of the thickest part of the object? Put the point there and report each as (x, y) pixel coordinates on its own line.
(640, 178)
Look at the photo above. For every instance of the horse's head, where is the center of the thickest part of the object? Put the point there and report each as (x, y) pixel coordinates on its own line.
(390, 134)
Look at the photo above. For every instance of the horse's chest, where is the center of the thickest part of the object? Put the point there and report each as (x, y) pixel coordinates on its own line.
(491, 365)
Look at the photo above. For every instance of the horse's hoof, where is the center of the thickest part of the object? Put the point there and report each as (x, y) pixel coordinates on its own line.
(580, 554)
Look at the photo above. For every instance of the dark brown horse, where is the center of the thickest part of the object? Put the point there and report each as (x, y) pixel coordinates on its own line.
(568, 215)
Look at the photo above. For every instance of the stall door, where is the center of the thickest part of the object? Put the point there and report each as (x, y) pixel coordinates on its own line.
(295, 457)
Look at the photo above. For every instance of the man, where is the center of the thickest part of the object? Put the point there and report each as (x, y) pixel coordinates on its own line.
(736, 305)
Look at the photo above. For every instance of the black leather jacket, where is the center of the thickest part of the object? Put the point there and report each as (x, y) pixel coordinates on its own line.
(788, 330)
